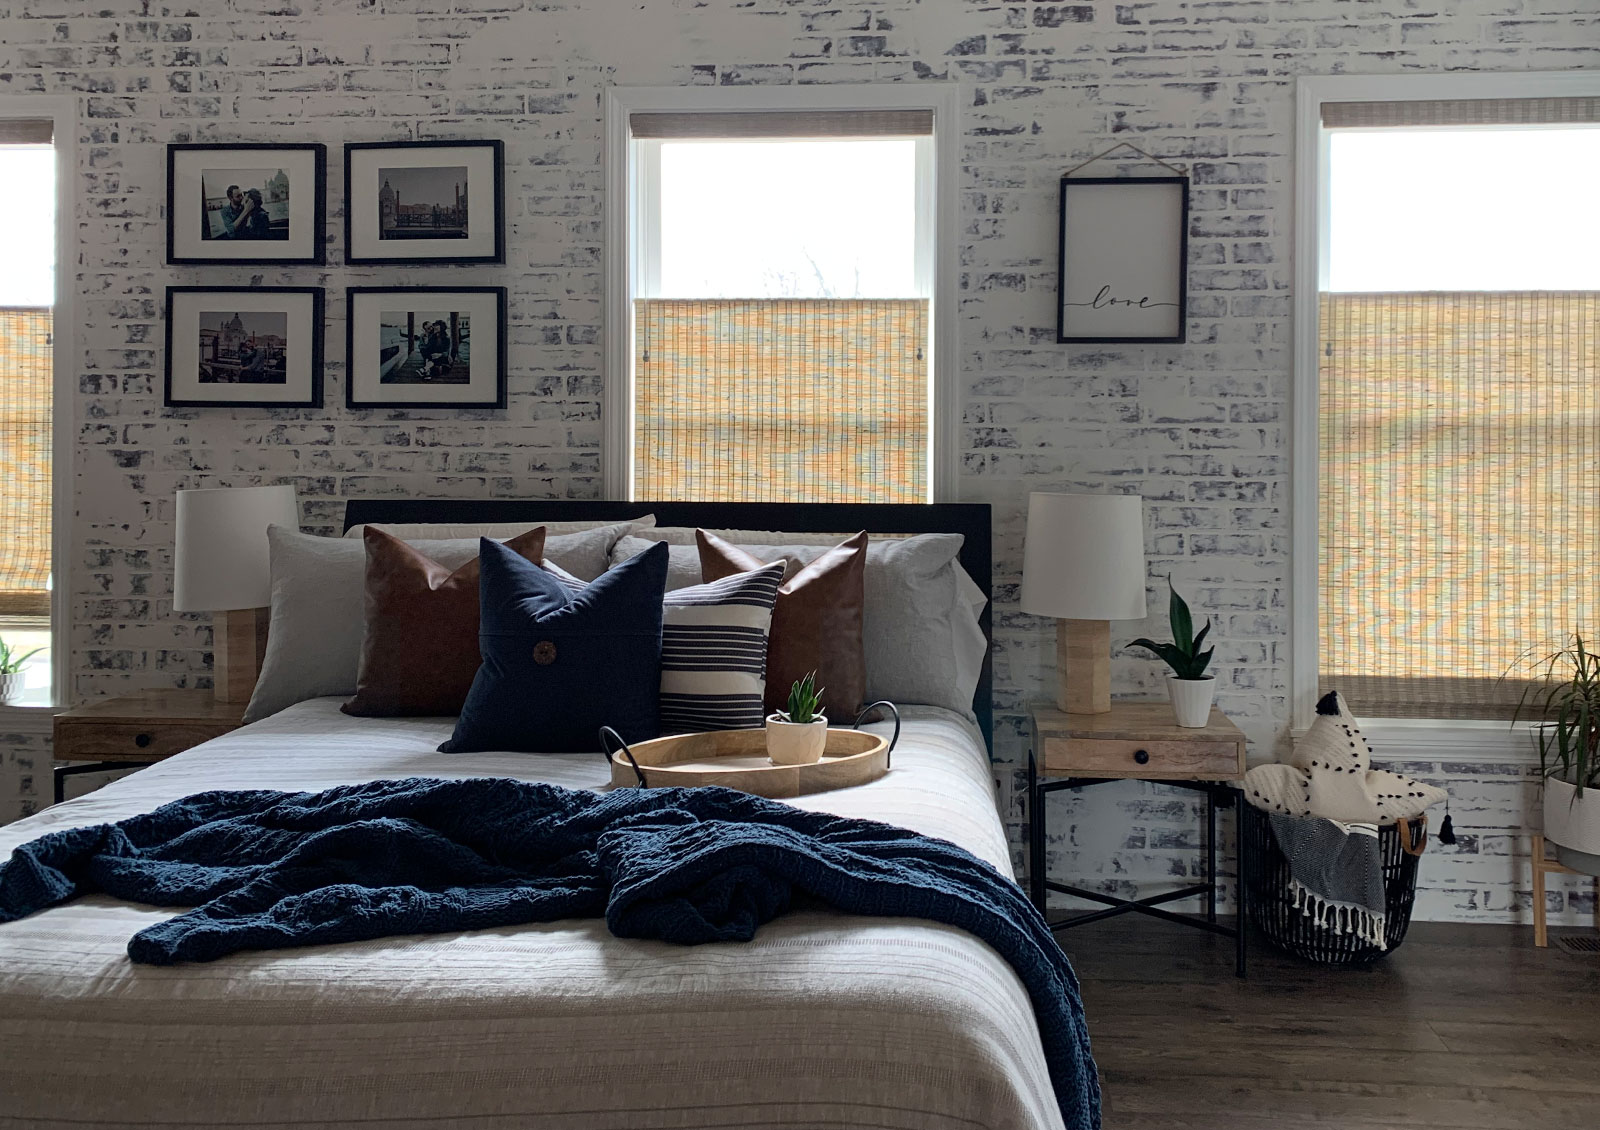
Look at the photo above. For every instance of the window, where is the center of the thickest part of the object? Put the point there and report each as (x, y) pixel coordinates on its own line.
(1457, 397)
(781, 316)
(27, 383)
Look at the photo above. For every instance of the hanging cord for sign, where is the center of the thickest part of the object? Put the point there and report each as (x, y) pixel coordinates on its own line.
(1126, 145)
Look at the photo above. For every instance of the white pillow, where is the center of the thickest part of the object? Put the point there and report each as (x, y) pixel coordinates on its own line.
(1329, 775)
(921, 633)
(319, 605)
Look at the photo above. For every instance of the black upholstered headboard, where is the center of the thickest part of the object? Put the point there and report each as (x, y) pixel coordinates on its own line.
(970, 519)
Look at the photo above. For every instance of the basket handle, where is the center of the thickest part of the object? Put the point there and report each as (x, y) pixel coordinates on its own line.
(893, 709)
(607, 736)
(1421, 843)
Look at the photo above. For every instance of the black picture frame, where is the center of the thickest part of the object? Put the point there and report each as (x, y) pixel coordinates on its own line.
(1139, 294)
(501, 338)
(498, 158)
(316, 317)
(316, 257)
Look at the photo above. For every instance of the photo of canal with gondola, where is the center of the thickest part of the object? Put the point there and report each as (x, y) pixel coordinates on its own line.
(243, 348)
(423, 203)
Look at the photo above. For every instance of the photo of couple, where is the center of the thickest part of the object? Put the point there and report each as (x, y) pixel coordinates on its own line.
(245, 204)
(425, 347)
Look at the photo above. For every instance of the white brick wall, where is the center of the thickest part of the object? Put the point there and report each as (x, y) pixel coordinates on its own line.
(1199, 429)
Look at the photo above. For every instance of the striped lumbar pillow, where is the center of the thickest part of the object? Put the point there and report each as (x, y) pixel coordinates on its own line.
(713, 650)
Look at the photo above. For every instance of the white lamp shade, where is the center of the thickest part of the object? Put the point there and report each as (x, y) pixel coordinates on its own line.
(221, 558)
(1084, 557)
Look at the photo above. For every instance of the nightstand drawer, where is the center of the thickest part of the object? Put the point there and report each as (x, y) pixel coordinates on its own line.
(126, 741)
(1121, 757)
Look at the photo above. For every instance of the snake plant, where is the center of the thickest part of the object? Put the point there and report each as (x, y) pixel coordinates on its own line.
(1183, 654)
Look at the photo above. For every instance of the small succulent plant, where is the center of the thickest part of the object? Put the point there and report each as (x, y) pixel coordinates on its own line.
(1183, 654)
(11, 660)
(805, 701)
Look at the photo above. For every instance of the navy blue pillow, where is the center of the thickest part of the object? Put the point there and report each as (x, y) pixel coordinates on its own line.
(557, 665)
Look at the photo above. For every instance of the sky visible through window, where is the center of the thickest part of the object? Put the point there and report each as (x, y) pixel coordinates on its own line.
(788, 219)
(1497, 209)
(28, 203)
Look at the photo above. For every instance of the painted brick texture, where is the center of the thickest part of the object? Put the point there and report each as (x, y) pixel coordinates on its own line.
(1199, 429)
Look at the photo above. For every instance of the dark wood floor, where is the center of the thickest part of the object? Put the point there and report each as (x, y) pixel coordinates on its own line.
(1467, 1027)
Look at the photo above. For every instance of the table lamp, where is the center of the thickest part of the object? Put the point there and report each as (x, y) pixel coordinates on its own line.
(220, 566)
(1083, 564)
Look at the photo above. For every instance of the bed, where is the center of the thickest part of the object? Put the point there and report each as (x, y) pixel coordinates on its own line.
(822, 1020)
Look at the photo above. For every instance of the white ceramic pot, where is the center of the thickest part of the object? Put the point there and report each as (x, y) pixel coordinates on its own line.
(11, 687)
(1572, 823)
(792, 744)
(1191, 699)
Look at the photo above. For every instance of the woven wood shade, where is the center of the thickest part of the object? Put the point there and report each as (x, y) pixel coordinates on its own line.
(27, 131)
(781, 400)
(1461, 112)
(753, 124)
(1460, 494)
(25, 388)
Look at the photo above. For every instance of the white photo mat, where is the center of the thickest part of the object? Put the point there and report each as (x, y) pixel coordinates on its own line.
(186, 203)
(366, 308)
(302, 385)
(1123, 259)
(365, 182)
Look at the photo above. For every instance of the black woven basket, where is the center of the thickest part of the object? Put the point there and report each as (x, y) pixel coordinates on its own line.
(1272, 906)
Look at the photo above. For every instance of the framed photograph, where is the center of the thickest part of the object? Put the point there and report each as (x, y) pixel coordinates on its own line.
(244, 347)
(425, 202)
(251, 204)
(426, 347)
(1124, 259)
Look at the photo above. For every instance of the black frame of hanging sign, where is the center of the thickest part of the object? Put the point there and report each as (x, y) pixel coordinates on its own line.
(1124, 260)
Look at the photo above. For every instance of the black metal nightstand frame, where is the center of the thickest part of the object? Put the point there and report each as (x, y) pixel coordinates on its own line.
(1219, 794)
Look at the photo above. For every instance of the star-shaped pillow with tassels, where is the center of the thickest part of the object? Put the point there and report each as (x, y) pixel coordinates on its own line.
(1330, 775)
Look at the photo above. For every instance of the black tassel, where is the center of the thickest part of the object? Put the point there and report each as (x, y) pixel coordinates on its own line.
(1447, 830)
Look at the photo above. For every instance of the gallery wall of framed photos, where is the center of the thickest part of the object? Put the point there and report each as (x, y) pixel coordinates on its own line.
(407, 203)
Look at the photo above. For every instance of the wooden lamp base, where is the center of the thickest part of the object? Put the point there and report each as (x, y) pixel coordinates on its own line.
(238, 644)
(1083, 666)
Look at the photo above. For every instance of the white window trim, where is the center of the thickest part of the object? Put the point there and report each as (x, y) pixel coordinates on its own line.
(620, 222)
(1397, 738)
(62, 110)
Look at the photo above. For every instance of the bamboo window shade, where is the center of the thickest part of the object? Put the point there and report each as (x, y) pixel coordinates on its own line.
(1422, 114)
(749, 125)
(1460, 494)
(26, 368)
(781, 400)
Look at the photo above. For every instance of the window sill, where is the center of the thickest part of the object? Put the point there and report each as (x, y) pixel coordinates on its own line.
(1429, 739)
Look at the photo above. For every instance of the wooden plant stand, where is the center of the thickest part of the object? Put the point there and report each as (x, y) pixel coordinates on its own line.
(1542, 866)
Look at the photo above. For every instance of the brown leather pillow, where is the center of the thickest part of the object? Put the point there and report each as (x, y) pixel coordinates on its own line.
(816, 624)
(421, 649)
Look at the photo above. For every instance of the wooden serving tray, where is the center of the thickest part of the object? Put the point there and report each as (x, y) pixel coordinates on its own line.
(737, 759)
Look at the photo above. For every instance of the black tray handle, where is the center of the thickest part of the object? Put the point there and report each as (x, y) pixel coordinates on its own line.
(893, 709)
(607, 737)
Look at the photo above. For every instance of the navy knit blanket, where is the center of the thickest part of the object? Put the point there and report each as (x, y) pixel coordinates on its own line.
(265, 869)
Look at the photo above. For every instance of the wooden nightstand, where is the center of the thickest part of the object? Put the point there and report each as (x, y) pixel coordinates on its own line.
(1137, 741)
(137, 729)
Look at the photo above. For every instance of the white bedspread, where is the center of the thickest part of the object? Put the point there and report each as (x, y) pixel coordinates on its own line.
(822, 1020)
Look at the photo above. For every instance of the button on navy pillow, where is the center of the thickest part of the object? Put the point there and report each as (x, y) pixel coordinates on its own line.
(557, 665)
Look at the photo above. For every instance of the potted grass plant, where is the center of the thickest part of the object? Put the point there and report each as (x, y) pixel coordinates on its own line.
(1564, 705)
(1189, 687)
(797, 734)
(11, 677)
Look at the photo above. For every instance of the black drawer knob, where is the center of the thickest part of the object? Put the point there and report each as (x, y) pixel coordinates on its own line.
(141, 740)
(1142, 756)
